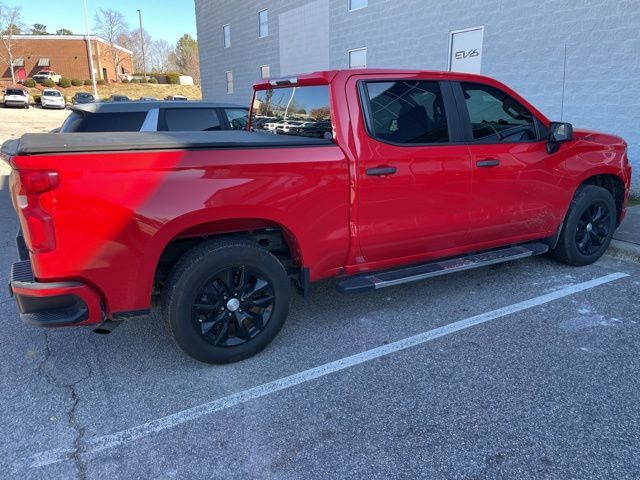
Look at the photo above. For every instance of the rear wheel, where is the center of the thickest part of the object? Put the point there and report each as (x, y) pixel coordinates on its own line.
(225, 300)
(588, 227)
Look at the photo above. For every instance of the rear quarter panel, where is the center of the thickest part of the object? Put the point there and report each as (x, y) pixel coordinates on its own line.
(114, 213)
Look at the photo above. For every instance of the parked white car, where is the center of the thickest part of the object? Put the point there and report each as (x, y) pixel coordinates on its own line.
(43, 75)
(52, 98)
(271, 126)
(15, 97)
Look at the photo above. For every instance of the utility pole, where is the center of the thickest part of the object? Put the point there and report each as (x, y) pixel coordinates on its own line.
(93, 75)
(144, 66)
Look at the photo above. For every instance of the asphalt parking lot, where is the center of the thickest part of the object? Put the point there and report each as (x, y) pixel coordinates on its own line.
(544, 388)
(523, 370)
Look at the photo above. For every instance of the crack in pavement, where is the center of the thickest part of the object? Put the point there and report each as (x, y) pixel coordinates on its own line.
(71, 413)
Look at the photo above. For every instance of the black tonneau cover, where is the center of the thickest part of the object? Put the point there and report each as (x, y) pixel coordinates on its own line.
(37, 143)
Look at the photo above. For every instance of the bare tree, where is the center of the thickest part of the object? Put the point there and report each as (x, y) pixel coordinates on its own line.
(10, 26)
(135, 46)
(160, 56)
(111, 25)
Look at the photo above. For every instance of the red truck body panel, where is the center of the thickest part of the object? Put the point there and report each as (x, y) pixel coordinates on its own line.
(114, 213)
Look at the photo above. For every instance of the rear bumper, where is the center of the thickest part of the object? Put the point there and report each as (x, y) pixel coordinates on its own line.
(53, 304)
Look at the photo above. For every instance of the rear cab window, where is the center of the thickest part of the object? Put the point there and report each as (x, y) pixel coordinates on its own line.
(293, 110)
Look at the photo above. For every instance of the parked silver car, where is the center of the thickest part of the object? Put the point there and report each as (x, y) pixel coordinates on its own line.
(149, 116)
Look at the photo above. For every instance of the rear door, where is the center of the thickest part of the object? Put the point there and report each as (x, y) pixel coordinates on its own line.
(414, 172)
(516, 192)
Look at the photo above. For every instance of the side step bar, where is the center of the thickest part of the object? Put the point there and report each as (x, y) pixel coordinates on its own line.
(389, 278)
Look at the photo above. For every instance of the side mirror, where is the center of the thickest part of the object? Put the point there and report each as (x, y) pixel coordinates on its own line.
(558, 132)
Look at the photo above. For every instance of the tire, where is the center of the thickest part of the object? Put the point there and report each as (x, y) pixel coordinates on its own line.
(588, 227)
(211, 314)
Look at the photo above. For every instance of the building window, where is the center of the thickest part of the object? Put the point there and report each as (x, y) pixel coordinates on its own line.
(358, 58)
(263, 23)
(226, 33)
(357, 4)
(264, 71)
(229, 83)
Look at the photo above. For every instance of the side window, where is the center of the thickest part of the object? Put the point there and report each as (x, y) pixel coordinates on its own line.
(407, 112)
(238, 118)
(105, 122)
(190, 120)
(496, 117)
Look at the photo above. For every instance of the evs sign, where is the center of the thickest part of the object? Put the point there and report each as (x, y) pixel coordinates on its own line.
(465, 50)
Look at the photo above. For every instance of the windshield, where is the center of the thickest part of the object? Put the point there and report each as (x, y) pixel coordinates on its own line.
(52, 94)
(15, 91)
(293, 111)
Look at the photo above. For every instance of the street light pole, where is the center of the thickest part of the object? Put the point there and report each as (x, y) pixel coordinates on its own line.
(144, 66)
(93, 75)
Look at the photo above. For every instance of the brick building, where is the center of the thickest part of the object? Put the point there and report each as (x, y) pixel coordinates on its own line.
(577, 61)
(67, 55)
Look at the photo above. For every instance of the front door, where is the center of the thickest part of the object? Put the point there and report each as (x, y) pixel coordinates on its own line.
(21, 74)
(516, 183)
(414, 177)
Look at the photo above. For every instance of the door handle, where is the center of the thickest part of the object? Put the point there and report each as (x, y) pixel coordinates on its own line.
(490, 162)
(381, 171)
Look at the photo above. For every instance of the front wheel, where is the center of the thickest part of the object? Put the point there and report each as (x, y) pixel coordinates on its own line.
(225, 300)
(588, 227)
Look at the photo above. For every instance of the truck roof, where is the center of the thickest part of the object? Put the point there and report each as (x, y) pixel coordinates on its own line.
(145, 106)
(326, 76)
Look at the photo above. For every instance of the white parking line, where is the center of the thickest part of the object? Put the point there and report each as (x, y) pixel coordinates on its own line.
(131, 434)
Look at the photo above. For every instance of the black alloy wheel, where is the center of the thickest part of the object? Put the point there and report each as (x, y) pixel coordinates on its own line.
(233, 306)
(593, 228)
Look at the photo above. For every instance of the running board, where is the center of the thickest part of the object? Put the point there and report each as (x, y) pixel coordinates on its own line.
(443, 267)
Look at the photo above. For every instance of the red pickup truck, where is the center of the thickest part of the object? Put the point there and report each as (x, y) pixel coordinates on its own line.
(382, 177)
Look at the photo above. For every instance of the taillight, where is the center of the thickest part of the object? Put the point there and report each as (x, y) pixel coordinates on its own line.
(39, 233)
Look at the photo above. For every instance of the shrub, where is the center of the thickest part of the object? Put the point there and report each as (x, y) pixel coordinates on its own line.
(37, 99)
(125, 80)
(30, 83)
(49, 83)
(76, 82)
(135, 80)
(100, 82)
(173, 78)
(64, 82)
(143, 80)
(153, 80)
(88, 82)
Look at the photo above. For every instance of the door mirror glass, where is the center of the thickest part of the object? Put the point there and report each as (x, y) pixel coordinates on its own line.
(558, 132)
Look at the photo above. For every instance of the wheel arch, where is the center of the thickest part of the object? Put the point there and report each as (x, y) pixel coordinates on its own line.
(183, 233)
(613, 184)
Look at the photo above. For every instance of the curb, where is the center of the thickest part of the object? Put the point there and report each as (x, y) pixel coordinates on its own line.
(624, 250)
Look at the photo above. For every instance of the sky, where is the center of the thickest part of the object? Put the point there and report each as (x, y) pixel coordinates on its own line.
(161, 18)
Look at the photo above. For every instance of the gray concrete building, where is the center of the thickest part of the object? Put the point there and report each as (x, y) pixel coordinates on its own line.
(577, 61)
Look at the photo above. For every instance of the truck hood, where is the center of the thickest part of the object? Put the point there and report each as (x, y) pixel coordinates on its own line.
(598, 137)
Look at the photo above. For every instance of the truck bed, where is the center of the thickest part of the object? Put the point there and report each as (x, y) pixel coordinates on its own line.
(48, 143)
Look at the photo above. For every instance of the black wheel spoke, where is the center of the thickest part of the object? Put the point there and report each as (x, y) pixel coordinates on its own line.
(241, 329)
(222, 335)
(263, 302)
(257, 287)
(208, 324)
